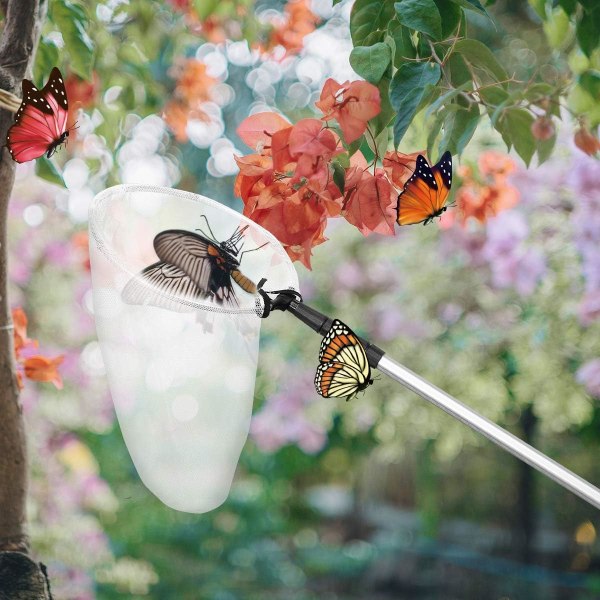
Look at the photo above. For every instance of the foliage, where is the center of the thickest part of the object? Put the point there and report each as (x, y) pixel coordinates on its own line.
(422, 56)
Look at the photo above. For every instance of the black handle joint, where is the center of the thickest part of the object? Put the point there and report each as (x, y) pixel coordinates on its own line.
(317, 321)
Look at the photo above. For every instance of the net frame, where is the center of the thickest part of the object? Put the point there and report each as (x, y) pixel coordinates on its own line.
(98, 205)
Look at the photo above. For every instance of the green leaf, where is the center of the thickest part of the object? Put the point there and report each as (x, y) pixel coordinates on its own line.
(590, 81)
(459, 128)
(436, 127)
(518, 128)
(587, 32)
(569, 6)
(540, 8)
(45, 59)
(339, 176)
(481, 57)
(371, 62)
(205, 8)
(369, 20)
(382, 120)
(354, 146)
(493, 94)
(445, 99)
(420, 15)
(47, 170)
(403, 41)
(450, 14)
(545, 148)
(72, 22)
(474, 5)
(407, 90)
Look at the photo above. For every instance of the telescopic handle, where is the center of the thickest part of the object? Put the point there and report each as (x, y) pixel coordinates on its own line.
(509, 442)
(493, 432)
(322, 324)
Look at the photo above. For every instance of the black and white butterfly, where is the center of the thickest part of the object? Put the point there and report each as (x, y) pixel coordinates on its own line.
(191, 267)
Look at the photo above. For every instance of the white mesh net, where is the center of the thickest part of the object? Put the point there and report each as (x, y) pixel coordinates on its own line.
(177, 319)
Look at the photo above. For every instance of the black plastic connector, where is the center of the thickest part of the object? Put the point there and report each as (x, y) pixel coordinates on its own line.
(317, 321)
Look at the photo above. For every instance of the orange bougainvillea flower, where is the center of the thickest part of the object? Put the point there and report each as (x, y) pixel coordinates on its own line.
(399, 167)
(255, 170)
(193, 87)
(297, 22)
(177, 114)
(81, 92)
(483, 202)
(495, 164)
(309, 137)
(20, 330)
(352, 105)
(257, 130)
(371, 205)
(80, 241)
(488, 193)
(40, 368)
(280, 150)
(193, 83)
(297, 222)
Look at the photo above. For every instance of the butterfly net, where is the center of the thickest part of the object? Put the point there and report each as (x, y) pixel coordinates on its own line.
(177, 315)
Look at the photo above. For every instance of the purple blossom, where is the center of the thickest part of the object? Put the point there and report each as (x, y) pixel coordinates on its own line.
(513, 264)
(589, 376)
(584, 180)
(282, 420)
(589, 310)
(386, 322)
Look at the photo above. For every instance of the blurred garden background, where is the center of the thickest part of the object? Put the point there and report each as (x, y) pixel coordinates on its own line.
(498, 303)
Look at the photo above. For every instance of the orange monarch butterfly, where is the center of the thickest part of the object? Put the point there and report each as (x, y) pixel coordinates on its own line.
(425, 193)
(344, 368)
(192, 266)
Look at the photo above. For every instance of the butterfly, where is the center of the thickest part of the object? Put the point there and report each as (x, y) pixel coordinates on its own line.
(40, 125)
(344, 368)
(192, 267)
(425, 193)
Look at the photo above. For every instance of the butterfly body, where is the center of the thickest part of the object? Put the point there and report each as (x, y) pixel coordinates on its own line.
(57, 144)
(40, 125)
(425, 194)
(191, 267)
(344, 368)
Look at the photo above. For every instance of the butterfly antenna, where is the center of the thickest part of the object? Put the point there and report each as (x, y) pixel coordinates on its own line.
(212, 235)
(253, 250)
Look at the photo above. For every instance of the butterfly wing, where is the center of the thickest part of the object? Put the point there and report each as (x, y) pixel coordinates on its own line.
(40, 121)
(55, 94)
(344, 368)
(337, 380)
(425, 193)
(207, 265)
(161, 285)
(341, 344)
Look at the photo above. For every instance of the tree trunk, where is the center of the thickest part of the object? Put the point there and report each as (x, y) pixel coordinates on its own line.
(526, 492)
(20, 577)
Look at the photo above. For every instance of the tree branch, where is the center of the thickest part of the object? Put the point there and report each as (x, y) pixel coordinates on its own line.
(20, 37)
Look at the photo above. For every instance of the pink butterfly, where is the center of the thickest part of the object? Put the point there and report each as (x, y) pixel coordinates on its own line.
(41, 122)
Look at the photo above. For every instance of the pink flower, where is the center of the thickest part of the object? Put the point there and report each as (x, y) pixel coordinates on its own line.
(589, 309)
(282, 419)
(589, 376)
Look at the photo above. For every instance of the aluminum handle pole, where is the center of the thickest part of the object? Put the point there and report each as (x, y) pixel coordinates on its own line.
(493, 432)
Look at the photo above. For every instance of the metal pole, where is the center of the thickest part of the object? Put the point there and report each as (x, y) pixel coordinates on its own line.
(493, 432)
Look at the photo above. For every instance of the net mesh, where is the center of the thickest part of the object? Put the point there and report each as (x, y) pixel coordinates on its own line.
(181, 358)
